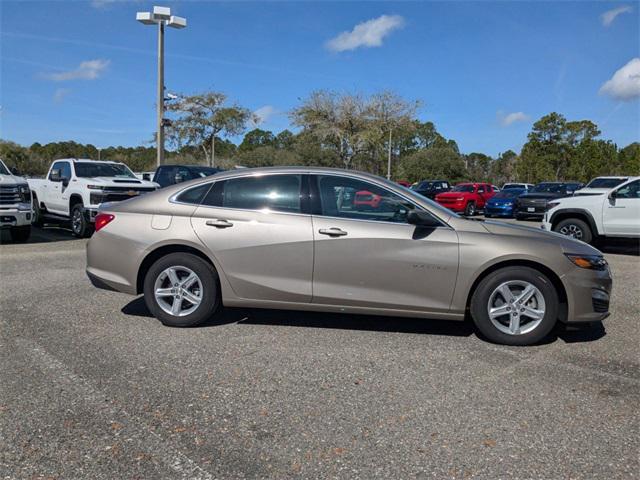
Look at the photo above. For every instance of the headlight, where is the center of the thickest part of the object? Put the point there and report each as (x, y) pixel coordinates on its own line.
(25, 193)
(551, 205)
(591, 262)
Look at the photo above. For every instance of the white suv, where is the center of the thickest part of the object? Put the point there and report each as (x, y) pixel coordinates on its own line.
(588, 217)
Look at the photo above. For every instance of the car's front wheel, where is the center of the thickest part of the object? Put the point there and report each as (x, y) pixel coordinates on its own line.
(515, 306)
(574, 228)
(80, 226)
(470, 209)
(182, 290)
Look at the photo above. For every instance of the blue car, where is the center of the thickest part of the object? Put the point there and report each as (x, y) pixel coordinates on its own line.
(503, 203)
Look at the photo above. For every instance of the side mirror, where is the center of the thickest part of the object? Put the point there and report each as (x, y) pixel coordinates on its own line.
(54, 176)
(420, 218)
(146, 176)
(15, 171)
(65, 181)
(613, 195)
(179, 178)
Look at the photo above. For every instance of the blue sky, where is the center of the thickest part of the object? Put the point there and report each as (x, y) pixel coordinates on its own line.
(86, 71)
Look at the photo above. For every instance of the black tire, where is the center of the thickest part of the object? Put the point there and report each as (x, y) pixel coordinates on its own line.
(482, 295)
(470, 209)
(20, 234)
(575, 228)
(208, 276)
(80, 226)
(487, 215)
(520, 216)
(38, 220)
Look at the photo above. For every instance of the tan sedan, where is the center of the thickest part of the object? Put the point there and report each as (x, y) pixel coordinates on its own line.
(296, 238)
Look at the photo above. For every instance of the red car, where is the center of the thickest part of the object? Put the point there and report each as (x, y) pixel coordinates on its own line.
(467, 198)
(366, 200)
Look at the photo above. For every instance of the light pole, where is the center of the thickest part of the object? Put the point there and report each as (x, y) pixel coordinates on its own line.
(161, 16)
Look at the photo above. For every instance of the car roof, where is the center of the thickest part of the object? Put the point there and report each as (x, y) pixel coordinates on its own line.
(84, 160)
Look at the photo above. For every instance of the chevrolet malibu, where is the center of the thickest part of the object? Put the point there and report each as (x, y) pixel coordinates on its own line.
(288, 238)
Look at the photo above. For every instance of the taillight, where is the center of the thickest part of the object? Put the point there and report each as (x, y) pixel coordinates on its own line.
(102, 219)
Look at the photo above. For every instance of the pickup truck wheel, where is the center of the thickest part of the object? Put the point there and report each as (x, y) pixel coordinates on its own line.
(574, 228)
(37, 212)
(20, 234)
(470, 209)
(79, 224)
(515, 306)
(182, 290)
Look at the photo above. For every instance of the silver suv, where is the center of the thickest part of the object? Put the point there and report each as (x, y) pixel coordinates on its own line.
(340, 241)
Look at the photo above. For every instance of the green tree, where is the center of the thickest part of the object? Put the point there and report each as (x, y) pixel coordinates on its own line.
(203, 118)
(256, 138)
(432, 163)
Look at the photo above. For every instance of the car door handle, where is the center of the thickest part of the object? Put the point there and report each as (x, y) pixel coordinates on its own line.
(220, 223)
(332, 232)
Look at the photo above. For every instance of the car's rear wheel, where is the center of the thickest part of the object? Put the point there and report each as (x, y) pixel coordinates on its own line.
(182, 290)
(574, 228)
(470, 209)
(515, 306)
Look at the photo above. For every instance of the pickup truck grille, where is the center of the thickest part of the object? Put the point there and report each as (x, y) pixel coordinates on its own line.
(9, 195)
(116, 194)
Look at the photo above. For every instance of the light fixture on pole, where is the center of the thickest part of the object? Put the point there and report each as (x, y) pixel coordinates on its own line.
(161, 16)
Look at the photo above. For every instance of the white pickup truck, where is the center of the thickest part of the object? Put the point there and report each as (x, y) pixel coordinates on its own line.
(590, 217)
(74, 188)
(15, 205)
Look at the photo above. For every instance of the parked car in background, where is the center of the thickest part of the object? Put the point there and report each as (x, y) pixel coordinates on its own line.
(533, 204)
(592, 217)
(601, 185)
(365, 200)
(404, 183)
(502, 204)
(15, 204)
(74, 189)
(144, 175)
(280, 238)
(467, 198)
(431, 188)
(166, 175)
(524, 186)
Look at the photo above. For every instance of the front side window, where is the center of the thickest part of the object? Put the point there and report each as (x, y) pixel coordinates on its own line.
(279, 193)
(605, 182)
(630, 190)
(347, 197)
(56, 166)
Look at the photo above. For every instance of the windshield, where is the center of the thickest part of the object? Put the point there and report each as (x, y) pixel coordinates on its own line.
(512, 185)
(95, 169)
(605, 182)
(204, 171)
(510, 193)
(3, 169)
(424, 186)
(463, 188)
(549, 188)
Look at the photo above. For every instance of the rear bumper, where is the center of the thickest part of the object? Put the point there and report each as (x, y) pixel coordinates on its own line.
(13, 217)
(588, 295)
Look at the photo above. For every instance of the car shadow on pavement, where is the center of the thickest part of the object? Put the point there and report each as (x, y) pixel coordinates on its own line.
(291, 318)
(46, 234)
(621, 247)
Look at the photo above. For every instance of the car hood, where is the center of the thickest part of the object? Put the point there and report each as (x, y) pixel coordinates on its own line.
(11, 180)
(592, 191)
(569, 245)
(452, 194)
(501, 200)
(120, 182)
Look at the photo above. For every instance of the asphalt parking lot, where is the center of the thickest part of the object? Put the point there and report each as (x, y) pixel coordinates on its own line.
(91, 386)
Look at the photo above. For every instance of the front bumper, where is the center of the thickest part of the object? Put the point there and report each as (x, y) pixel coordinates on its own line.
(499, 210)
(454, 206)
(15, 217)
(90, 213)
(588, 294)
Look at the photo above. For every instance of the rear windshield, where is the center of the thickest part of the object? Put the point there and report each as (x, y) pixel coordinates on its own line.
(605, 182)
(463, 188)
(91, 169)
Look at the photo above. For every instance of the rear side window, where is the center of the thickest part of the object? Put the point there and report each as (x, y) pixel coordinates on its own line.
(280, 193)
(194, 195)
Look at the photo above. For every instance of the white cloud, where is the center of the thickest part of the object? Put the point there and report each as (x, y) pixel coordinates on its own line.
(366, 34)
(625, 83)
(60, 94)
(263, 114)
(507, 119)
(88, 70)
(610, 15)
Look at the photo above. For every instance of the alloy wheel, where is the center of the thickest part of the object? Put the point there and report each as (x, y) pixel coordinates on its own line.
(178, 291)
(516, 307)
(573, 231)
(76, 221)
